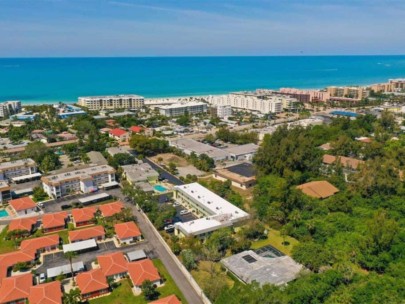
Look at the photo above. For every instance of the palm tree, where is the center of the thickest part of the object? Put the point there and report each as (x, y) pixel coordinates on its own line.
(70, 255)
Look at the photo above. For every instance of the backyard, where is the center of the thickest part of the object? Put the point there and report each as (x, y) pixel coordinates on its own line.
(276, 240)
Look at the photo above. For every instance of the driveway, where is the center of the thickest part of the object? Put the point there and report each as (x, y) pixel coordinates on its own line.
(163, 173)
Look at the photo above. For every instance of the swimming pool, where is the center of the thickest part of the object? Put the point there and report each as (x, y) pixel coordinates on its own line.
(160, 188)
(3, 213)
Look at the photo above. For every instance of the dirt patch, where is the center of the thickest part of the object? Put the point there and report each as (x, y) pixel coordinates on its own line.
(167, 158)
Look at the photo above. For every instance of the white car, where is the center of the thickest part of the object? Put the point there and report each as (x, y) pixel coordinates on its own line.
(42, 278)
(184, 212)
(169, 228)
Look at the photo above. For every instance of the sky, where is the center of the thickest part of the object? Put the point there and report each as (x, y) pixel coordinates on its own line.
(74, 28)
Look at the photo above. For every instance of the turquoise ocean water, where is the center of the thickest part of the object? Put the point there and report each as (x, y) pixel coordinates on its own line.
(41, 80)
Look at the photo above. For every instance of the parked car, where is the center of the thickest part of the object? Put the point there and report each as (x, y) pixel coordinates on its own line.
(42, 278)
(64, 207)
(169, 228)
(184, 212)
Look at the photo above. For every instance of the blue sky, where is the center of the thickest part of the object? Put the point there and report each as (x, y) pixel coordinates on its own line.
(200, 28)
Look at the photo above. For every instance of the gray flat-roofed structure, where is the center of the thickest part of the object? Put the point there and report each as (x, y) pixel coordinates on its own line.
(120, 114)
(97, 158)
(189, 146)
(136, 255)
(241, 175)
(248, 266)
(242, 152)
(137, 173)
(94, 198)
(80, 246)
(64, 269)
(243, 169)
(118, 150)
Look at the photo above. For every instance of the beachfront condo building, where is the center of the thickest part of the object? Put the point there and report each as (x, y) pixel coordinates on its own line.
(84, 180)
(179, 109)
(355, 93)
(18, 168)
(111, 102)
(9, 108)
(392, 86)
(306, 95)
(254, 101)
(223, 111)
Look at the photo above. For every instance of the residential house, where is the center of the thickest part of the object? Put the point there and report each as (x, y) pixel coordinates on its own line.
(41, 244)
(108, 210)
(96, 233)
(127, 232)
(172, 299)
(23, 206)
(242, 175)
(119, 134)
(16, 289)
(25, 225)
(92, 284)
(47, 293)
(141, 271)
(318, 189)
(113, 265)
(83, 216)
(8, 260)
(135, 129)
(54, 221)
(242, 152)
(64, 136)
(138, 173)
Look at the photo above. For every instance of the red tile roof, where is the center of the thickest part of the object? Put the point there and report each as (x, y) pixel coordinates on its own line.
(167, 300)
(91, 281)
(136, 129)
(48, 293)
(40, 243)
(15, 288)
(118, 132)
(112, 264)
(24, 223)
(142, 270)
(127, 230)
(52, 220)
(111, 208)
(10, 259)
(83, 214)
(86, 234)
(23, 203)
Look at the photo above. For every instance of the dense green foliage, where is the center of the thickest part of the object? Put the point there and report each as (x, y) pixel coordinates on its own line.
(234, 137)
(46, 159)
(148, 146)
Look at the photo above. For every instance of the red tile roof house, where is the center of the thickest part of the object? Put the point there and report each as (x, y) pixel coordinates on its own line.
(119, 134)
(135, 129)
(113, 265)
(8, 260)
(111, 209)
(127, 232)
(167, 300)
(15, 289)
(97, 233)
(83, 216)
(25, 225)
(41, 244)
(54, 221)
(141, 271)
(23, 206)
(92, 284)
(48, 293)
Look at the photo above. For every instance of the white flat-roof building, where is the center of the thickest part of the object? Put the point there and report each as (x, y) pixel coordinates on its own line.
(16, 168)
(189, 146)
(242, 152)
(142, 172)
(179, 109)
(224, 111)
(81, 180)
(9, 108)
(111, 102)
(213, 211)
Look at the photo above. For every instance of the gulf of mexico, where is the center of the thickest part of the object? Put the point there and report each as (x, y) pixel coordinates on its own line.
(42, 80)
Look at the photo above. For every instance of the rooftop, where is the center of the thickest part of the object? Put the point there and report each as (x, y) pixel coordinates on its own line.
(242, 149)
(318, 189)
(140, 271)
(172, 299)
(350, 162)
(112, 264)
(23, 203)
(52, 220)
(48, 293)
(83, 214)
(15, 288)
(97, 158)
(39, 243)
(91, 281)
(86, 234)
(117, 150)
(199, 148)
(84, 173)
(139, 172)
(118, 132)
(248, 266)
(136, 255)
(65, 269)
(111, 209)
(112, 96)
(127, 230)
(182, 104)
(17, 163)
(83, 245)
(24, 223)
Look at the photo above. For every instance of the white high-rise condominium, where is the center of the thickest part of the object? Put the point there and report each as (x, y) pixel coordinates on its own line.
(8, 108)
(112, 102)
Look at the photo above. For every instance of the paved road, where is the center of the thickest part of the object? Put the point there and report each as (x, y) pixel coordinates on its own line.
(164, 174)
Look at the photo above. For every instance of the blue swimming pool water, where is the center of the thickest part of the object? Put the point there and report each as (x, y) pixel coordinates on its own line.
(160, 188)
(3, 213)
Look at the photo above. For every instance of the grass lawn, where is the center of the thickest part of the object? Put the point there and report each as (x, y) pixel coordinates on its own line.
(64, 236)
(276, 240)
(123, 294)
(6, 245)
(202, 274)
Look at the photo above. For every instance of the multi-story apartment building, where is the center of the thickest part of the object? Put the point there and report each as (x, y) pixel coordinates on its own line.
(81, 180)
(355, 93)
(393, 85)
(112, 102)
(306, 95)
(9, 108)
(5, 193)
(17, 168)
(224, 111)
(253, 101)
(179, 109)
